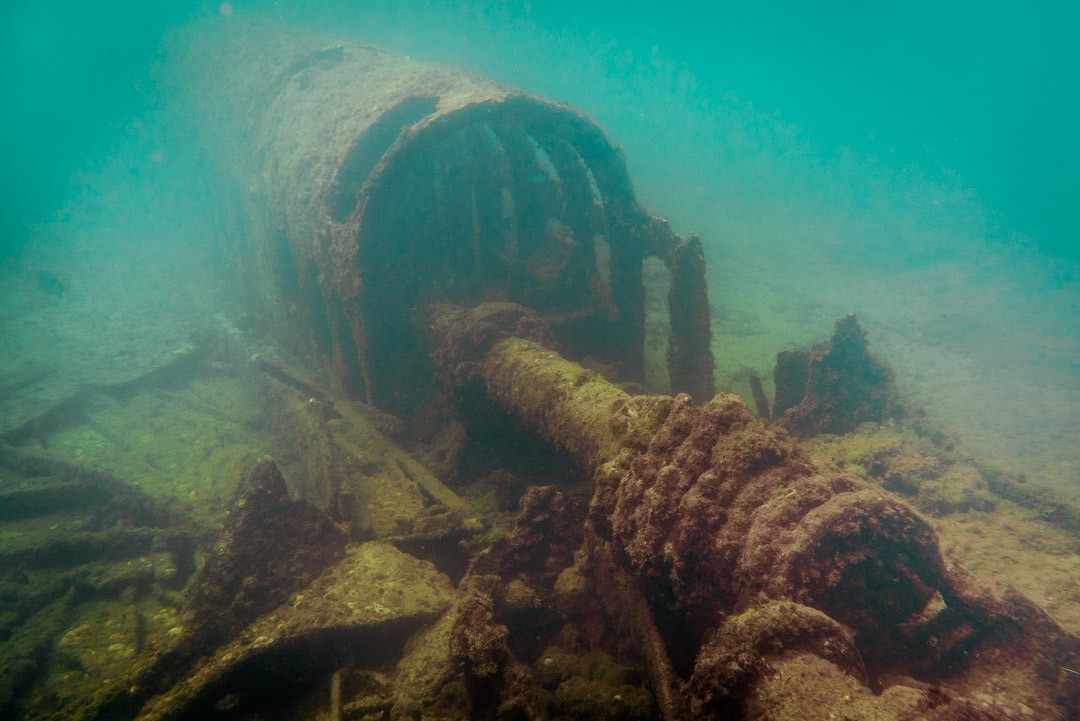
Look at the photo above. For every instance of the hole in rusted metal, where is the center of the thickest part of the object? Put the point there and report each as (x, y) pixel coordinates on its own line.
(369, 149)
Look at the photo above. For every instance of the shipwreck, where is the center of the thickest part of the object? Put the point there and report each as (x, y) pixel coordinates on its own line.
(495, 490)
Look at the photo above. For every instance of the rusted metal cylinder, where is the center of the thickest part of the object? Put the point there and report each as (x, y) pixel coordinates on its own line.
(504, 350)
(378, 184)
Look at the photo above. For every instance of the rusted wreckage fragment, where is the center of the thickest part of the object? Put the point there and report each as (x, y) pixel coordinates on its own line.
(835, 386)
(361, 610)
(284, 600)
(690, 360)
(347, 463)
(701, 513)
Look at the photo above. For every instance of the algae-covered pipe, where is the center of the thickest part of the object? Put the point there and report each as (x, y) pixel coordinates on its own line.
(374, 184)
(506, 350)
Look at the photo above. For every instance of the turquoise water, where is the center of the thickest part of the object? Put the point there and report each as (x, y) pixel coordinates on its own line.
(913, 163)
(981, 90)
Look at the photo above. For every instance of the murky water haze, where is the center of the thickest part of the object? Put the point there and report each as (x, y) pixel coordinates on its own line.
(912, 165)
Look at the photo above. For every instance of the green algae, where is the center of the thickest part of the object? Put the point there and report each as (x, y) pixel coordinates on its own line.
(928, 468)
(186, 445)
(918, 460)
(105, 505)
